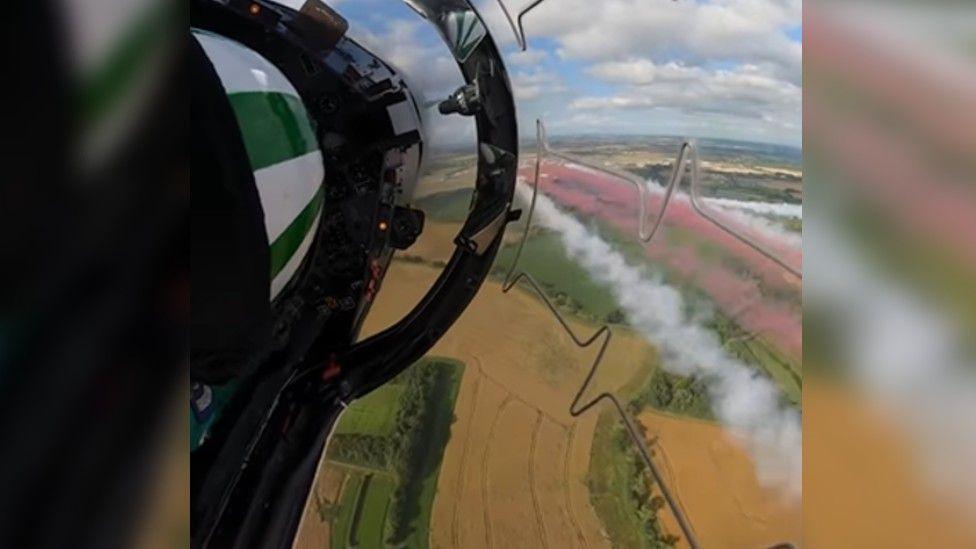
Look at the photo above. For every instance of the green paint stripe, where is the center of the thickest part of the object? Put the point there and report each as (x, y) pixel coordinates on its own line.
(285, 245)
(130, 56)
(459, 32)
(471, 26)
(275, 127)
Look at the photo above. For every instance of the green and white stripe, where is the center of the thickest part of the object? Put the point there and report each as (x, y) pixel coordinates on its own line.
(281, 147)
(464, 31)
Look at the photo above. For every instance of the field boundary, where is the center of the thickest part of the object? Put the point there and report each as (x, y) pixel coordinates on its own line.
(484, 469)
(532, 481)
(570, 508)
(463, 465)
(510, 394)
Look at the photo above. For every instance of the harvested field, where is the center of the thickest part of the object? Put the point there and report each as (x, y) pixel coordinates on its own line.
(315, 530)
(517, 374)
(549, 458)
(862, 483)
(436, 243)
(515, 469)
(513, 510)
(714, 480)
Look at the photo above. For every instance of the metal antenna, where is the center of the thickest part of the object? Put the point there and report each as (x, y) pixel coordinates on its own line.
(517, 27)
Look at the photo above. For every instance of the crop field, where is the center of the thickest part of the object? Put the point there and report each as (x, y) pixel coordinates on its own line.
(505, 464)
(447, 205)
(515, 454)
(377, 480)
(447, 173)
(374, 414)
(341, 525)
(565, 281)
(714, 480)
(368, 519)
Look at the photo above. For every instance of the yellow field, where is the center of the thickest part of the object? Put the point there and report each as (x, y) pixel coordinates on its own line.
(862, 485)
(715, 482)
(513, 470)
(314, 532)
(513, 473)
(460, 174)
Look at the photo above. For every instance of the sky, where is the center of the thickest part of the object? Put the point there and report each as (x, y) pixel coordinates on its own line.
(689, 68)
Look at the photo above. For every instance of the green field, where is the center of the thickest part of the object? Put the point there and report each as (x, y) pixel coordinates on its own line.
(435, 438)
(374, 414)
(446, 206)
(369, 514)
(393, 470)
(756, 352)
(342, 523)
(565, 282)
(620, 488)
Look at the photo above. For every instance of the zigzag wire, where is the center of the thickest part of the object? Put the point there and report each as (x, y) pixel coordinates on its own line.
(577, 408)
(511, 279)
(517, 28)
(680, 168)
(687, 155)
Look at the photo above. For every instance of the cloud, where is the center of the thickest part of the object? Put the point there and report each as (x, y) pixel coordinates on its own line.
(723, 68)
(746, 90)
(531, 85)
(729, 30)
(526, 58)
(410, 47)
(717, 68)
(420, 55)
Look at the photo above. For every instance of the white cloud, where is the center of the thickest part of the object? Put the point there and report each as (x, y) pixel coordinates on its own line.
(729, 30)
(746, 90)
(718, 68)
(532, 85)
(526, 58)
(723, 68)
(430, 69)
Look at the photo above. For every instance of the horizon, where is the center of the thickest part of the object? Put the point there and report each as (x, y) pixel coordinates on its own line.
(695, 68)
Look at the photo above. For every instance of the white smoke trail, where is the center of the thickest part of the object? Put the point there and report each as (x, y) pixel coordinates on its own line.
(758, 216)
(773, 209)
(745, 402)
(907, 355)
(777, 209)
(763, 226)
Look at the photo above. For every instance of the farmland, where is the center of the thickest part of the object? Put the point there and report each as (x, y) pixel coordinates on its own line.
(385, 456)
(375, 413)
(514, 467)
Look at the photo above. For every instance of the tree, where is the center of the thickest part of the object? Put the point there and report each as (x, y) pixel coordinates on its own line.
(615, 316)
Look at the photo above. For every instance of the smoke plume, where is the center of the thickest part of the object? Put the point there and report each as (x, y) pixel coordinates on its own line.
(744, 401)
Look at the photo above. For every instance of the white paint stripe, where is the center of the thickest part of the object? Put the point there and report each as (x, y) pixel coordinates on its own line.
(295, 260)
(286, 188)
(241, 69)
